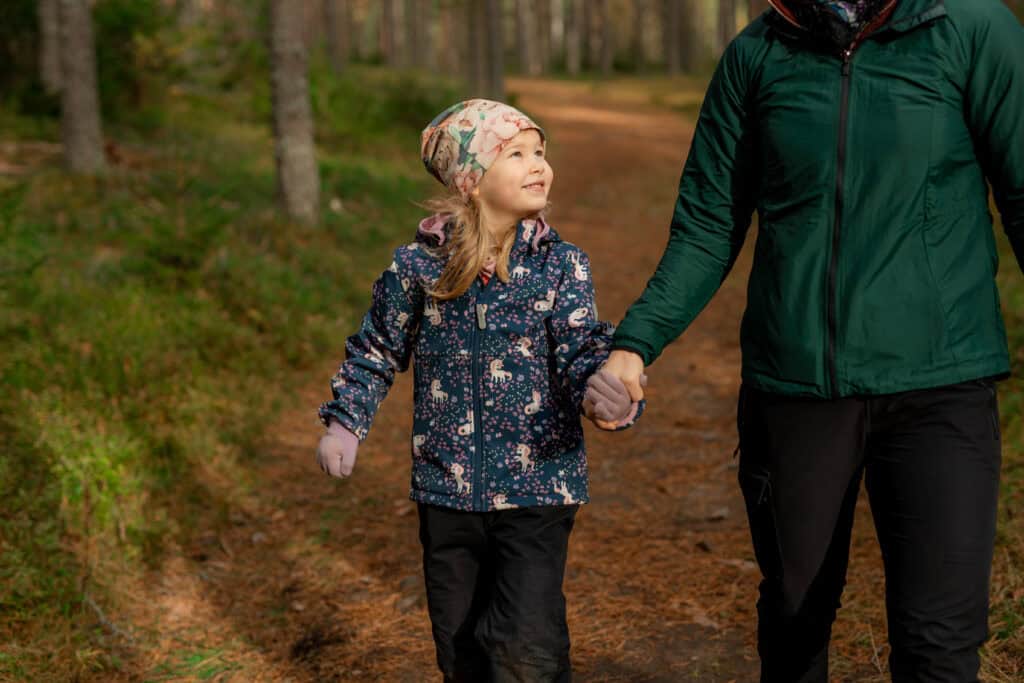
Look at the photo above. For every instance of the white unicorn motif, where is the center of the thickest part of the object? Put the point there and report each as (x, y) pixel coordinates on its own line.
(524, 345)
(417, 441)
(534, 407)
(501, 502)
(528, 231)
(405, 284)
(436, 394)
(579, 269)
(547, 303)
(578, 317)
(523, 456)
(393, 267)
(498, 372)
(431, 311)
(457, 471)
(403, 318)
(519, 272)
(466, 428)
(563, 491)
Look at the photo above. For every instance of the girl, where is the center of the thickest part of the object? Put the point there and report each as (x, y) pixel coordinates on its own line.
(500, 315)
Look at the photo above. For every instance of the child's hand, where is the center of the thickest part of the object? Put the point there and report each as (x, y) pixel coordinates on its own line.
(336, 453)
(607, 401)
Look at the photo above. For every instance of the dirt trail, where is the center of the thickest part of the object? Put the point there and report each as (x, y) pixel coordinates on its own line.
(320, 579)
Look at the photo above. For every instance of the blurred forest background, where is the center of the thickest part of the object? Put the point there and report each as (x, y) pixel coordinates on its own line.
(194, 198)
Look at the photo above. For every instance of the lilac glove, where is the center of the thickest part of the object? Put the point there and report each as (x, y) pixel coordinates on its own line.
(607, 400)
(336, 453)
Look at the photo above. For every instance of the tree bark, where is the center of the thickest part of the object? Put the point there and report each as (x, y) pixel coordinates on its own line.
(604, 12)
(756, 7)
(338, 28)
(638, 40)
(388, 42)
(726, 23)
(298, 181)
(80, 105)
(557, 28)
(476, 39)
(671, 28)
(574, 37)
(495, 49)
(49, 45)
(526, 37)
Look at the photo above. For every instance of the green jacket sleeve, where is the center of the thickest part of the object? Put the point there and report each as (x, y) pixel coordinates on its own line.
(711, 218)
(995, 110)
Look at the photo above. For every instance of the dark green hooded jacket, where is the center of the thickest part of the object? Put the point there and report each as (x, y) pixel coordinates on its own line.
(875, 262)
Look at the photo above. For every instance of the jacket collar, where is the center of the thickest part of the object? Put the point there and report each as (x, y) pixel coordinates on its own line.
(908, 15)
(531, 233)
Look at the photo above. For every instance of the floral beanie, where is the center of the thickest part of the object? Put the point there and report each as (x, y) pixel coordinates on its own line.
(462, 142)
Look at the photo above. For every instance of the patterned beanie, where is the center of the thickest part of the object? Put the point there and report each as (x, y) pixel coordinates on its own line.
(462, 142)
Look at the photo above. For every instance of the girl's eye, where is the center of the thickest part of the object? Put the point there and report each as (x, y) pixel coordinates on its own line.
(540, 153)
(517, 154)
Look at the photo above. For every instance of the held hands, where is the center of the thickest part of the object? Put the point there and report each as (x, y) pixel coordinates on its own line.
(336, 453)
(628, 367)
(607, 402)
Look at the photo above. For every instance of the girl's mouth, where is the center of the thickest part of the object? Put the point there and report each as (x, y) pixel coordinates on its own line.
(534, 187)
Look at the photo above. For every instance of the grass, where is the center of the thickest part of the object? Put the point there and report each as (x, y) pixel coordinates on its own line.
(151, 322)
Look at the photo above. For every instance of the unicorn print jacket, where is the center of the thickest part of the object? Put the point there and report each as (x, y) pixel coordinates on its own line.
(499, 375)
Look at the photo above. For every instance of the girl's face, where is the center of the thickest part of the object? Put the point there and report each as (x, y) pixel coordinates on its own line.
(518, 182)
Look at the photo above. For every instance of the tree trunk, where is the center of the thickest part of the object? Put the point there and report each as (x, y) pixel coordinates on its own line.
(495, 48)
(476, 40)
(49, 45)
(298, 182)
(690, 35)
(80, 104)
(591, 45)
(526, 37)
(451, 30)
(638, 42)
(425, 14)
(756, 7)
(604, 12)
(542, 26)
(338, 28)
(671, 28)
(574, 37)
(557, 28)
(413, 33)
(388, 42)
(726, 23)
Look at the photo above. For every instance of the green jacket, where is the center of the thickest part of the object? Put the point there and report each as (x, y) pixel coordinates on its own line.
(875, 262)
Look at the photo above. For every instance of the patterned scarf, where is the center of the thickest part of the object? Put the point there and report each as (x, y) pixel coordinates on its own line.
(838, 21)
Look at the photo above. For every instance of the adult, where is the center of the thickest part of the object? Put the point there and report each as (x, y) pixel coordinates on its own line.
(862, 133)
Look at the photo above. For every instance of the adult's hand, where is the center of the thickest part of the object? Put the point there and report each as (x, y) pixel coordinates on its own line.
(628, 367)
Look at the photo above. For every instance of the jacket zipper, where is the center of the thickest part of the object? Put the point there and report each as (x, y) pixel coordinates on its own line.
(478, 438)
(844, 106)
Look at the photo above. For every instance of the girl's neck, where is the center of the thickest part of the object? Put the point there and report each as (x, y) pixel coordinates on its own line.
(498, 225)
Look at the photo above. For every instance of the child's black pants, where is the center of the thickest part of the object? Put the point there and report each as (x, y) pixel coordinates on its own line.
(494, 592)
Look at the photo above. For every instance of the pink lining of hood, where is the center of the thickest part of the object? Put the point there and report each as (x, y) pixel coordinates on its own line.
(433, 226)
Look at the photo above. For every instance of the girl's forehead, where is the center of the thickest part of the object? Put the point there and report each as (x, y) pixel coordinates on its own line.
(526, 137)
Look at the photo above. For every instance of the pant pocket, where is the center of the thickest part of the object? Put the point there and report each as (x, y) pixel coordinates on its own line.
(756, 487)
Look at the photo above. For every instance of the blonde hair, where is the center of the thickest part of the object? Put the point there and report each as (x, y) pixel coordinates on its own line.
(467, 247)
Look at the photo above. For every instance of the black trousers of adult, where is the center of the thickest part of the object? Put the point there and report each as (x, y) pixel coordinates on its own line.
(930, 460)
(494, 592)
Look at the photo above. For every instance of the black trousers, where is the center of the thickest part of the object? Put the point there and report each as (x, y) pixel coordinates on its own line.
(930, 460)
(494, 592)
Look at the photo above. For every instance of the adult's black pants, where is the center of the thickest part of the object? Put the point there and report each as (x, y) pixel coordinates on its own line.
(930, 460)
(494, 592)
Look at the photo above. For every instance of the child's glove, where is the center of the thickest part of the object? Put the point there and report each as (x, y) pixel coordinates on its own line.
(607, 401)
(336, 453)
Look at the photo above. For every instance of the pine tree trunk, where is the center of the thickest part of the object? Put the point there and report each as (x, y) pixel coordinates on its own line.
(80, 105)
(388, 41)
(671, 28)
(298, 182)
(425, 14)
(495, 48)
(756, 7)
(726, 23)
(338, 28)
(638, 41)
(557, 28)
(542, 27)
(604, 12)
(476, 40)
(49, 45)
(574, 37)
(526, 37)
